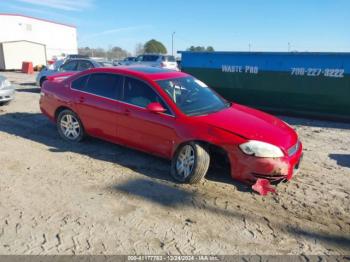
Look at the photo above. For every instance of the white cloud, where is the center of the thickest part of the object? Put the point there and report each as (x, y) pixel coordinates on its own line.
(67, 5)
(116, 30)
(53, 15)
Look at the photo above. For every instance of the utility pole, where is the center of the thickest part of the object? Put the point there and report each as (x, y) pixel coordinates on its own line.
(172, 43)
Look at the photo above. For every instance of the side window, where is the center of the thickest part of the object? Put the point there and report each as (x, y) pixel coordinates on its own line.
(84, 65)
(80, 83)
(70, 66)
(106, 85)
(140, 94)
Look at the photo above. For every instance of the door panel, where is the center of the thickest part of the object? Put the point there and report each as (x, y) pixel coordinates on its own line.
(97, 104)
(98, 115)
(138, 127)
(150, 132)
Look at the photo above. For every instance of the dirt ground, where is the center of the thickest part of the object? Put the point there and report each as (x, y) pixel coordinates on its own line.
(100, 198)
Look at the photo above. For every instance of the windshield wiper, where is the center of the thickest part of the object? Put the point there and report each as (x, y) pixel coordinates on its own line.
(205, 112)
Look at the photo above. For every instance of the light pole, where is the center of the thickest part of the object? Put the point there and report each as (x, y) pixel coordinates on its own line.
(172, 43)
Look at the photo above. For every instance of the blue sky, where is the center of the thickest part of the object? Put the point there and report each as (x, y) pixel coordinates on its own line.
(227, 25)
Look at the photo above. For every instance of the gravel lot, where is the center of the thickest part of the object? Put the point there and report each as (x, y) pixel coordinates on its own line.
(100, 198)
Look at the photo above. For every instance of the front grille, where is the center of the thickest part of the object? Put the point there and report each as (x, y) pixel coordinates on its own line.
(294, 149)
(271, 178)
(4, 97)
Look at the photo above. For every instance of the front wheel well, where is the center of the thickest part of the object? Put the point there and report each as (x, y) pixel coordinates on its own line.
(218, 155)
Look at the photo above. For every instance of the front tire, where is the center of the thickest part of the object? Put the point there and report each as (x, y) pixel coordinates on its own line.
(190, 163)
(69, 126)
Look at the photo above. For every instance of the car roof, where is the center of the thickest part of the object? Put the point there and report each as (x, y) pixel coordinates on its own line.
(151, 73)
(96, 63)
(154, 54)
(80, 59)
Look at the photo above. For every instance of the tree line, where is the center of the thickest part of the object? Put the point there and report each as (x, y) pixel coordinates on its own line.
(151, 46)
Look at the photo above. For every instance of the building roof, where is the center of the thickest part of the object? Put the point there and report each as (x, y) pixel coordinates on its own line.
(39, 19)
(16, 41)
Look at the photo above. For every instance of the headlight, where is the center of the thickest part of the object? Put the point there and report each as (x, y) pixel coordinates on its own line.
(261, 149)
(5, 83)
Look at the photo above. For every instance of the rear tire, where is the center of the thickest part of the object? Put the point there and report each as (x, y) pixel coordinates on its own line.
(4, 103)
(70, 127)
(190, 163)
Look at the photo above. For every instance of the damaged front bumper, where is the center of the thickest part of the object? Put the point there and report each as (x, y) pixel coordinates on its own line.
(249, 169)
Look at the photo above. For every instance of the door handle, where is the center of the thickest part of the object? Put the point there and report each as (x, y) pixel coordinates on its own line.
(81, 99)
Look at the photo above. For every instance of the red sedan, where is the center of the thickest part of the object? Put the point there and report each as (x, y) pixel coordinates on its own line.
(172, 115)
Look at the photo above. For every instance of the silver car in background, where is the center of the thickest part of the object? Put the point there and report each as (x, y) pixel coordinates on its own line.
(157, 60)
(125, 62)
(7, 91)
(70, 65)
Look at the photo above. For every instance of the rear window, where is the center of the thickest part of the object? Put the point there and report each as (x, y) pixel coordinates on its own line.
(106, 85)
(169, 58)
(150, 58)
(80, 83)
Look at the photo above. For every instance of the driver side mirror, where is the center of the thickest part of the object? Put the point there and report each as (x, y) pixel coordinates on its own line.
(156, 108)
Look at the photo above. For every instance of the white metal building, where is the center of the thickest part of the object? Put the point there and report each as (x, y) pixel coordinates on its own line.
(14, 53)
(58, 38)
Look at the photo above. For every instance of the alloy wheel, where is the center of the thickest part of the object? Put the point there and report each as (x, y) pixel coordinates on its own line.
(70, 127)
(185, 161)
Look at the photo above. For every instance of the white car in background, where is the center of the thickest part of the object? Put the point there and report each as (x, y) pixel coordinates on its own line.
(125, 62)
(157, 60)
(7, 91)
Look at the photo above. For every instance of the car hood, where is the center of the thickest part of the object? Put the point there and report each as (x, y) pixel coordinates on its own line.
(253, 125)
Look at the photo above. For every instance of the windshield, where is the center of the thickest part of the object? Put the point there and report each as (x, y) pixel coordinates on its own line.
(169, 58)
(150, 58)
(55, 66)
(105, 64)
(192, 96)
